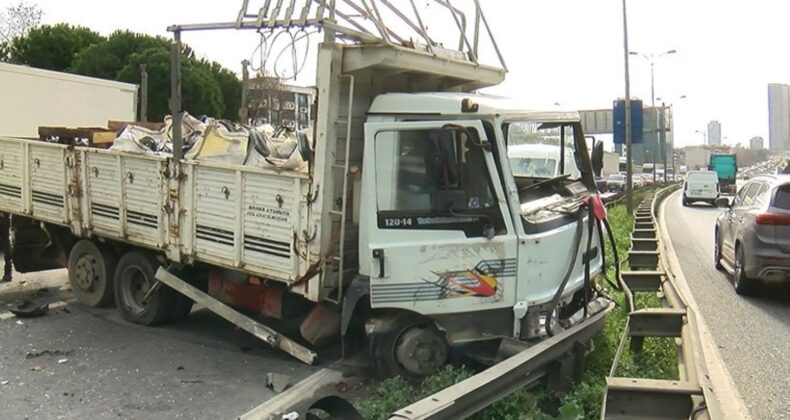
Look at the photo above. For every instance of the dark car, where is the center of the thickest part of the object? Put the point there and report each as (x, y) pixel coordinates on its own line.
(752, 237)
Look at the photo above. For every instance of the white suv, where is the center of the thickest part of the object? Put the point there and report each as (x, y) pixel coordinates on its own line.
(701, 186)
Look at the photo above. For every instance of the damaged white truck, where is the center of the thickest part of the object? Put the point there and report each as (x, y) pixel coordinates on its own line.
(406, 227)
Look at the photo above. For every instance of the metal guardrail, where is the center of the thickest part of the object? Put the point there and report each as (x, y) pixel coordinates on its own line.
(689, 397)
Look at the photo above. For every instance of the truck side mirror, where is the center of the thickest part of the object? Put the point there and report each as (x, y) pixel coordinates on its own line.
(597, 158)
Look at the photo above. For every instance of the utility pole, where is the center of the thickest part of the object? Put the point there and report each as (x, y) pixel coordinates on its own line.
(629, 194)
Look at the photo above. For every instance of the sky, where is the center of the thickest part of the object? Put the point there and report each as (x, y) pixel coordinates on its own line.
(566, 52)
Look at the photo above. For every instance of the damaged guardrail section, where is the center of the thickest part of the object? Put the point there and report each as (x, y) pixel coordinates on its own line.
(689, 397)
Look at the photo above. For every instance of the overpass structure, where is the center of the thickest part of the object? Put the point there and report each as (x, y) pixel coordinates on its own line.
(601, 122)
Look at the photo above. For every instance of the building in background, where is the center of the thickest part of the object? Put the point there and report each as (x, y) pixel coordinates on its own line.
(714, 133)
(778, 117)
(271, 102)
(756, 143)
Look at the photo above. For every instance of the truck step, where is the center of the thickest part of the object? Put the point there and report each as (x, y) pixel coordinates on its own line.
(656, 322)
(628, 398)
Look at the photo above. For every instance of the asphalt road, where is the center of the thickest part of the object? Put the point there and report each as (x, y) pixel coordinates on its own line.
(752, 333)
(103, 367)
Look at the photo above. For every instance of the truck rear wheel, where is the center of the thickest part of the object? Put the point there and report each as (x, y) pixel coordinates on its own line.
(139, 296)
(405, 343)
(91, 267)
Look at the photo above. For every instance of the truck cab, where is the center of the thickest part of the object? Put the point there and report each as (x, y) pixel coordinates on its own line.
(452, 232)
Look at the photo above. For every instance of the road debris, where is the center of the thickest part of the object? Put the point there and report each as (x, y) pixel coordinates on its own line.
(18, 322)
(35, 368)
(191, 381)
(3, 382)
(277, 382)
(62, 361)
(48, 352)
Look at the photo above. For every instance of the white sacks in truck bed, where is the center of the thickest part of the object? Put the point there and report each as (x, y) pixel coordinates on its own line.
(222, 141)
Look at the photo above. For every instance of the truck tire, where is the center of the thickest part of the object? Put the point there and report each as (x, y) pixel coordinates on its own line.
(408, 344)
(134, 278)
(91, 267)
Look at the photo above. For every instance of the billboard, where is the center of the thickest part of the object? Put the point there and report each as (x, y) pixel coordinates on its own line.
(618, 123)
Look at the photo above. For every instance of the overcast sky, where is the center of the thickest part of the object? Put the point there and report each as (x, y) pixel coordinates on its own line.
(558, 51)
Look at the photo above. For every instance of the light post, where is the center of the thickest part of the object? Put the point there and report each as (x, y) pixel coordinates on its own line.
(629, 197)
(651, 58)
(704, 136)
(672, 144)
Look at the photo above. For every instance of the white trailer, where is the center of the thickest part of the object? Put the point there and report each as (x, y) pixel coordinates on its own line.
(34, 97)
(611, 163)
(409, 228)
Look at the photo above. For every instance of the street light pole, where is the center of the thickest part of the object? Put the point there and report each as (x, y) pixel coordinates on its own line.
(629, 197)
(659, 147)
(653, 105)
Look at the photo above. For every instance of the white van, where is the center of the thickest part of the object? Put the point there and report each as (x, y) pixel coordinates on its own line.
(700, 186)
(540, 161)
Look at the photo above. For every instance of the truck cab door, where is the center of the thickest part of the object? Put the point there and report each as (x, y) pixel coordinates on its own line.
(435, 233)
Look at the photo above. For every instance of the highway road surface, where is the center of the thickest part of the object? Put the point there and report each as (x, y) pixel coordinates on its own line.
(751, 333)
(88, 363)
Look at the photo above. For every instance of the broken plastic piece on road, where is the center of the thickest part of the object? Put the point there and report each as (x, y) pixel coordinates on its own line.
(277, 382)
(29, 309)
(62, 361)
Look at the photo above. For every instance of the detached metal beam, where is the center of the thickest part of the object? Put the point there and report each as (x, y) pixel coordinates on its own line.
(253, 327)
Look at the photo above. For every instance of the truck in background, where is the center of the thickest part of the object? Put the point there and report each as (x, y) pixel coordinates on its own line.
(726, 167)
(51, 98)
(611, 163)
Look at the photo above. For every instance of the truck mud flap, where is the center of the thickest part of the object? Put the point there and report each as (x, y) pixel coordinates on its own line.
(242, 321)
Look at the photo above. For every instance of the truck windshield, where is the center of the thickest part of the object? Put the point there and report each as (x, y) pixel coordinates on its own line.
(533, 167)
(534, 149)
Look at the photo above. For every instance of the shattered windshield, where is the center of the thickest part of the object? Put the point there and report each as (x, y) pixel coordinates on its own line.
(541, 150)
(533, 167)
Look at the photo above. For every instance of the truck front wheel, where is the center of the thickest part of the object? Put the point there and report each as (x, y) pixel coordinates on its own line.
(139, 296)
(404, 343)
(91, 267)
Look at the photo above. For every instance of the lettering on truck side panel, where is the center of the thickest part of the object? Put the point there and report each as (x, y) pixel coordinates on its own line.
(269, 213)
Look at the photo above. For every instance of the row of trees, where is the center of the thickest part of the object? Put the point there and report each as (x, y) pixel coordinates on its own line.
(208, 88)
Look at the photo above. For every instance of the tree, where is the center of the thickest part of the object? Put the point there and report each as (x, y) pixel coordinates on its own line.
(17, 20)
(52, 47)
(107, 58)
(200, 90)
(230, 85)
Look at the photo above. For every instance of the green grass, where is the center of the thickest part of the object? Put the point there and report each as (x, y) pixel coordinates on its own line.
(657, 360)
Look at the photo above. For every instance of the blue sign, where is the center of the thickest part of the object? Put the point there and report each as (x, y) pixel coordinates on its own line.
(637, 121)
